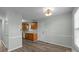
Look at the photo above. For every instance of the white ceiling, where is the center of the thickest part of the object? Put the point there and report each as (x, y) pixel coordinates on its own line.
(37, 12)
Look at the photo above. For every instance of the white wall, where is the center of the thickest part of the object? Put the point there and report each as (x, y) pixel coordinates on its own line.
(0, 29)
(5, 33)
(56, 30)
(11, 34)
(15, 35)
(4, 28)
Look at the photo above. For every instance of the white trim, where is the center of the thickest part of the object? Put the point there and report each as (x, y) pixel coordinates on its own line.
(14, 48)
(3, 43)
(57, 44)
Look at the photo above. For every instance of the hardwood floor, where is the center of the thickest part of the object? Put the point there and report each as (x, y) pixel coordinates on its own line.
(39, 46)
(2, 47)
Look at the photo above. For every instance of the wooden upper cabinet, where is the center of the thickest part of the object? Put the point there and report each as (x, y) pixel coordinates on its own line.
(34, 25)
(25, 26)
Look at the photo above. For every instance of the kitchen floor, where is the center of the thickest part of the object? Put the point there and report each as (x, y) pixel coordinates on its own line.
(39, 46)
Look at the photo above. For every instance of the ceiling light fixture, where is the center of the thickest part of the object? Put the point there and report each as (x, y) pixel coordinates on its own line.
(48, 11)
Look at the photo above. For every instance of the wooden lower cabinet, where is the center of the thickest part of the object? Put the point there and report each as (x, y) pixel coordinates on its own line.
(31, 36)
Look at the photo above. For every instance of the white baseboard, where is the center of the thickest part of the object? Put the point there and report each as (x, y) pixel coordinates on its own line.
(57, 44)
(14, 48)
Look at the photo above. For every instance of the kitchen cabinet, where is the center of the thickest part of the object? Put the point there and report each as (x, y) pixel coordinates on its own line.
(31, 36)
(34, 25)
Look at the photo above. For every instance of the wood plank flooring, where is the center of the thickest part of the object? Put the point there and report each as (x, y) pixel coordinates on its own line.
(39, 46)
